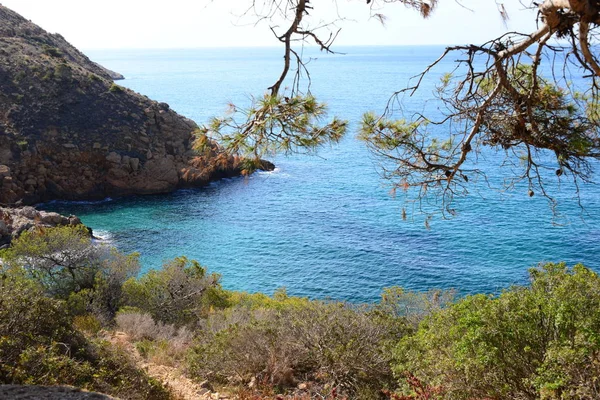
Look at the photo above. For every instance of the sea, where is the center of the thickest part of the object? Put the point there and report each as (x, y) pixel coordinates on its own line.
(326, 226)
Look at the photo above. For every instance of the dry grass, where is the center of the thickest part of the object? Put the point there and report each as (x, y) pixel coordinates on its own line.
(162, 344)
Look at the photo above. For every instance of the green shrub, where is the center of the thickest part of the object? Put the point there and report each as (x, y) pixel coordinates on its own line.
(254, 301)
(114, 88)
(23, 145)
(39, 345)
(180, 293)
(19, 76)
(87, 323)
(106, 297)
(116, 374)
(69, 266)
(160, 343)
(63, 72)
(28, 321)
(52, 51)
(63, 259)
(541, 341)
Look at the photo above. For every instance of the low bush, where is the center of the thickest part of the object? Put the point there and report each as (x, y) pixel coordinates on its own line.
(339, 346)
(541, 341)
(138, 325)
(116, 374)
(114, 88)
(157, 342)
(107, 297)
(88, 324)
(537, 342)
(69, 266)
(63, 259)
(181, 293)
(28, 321)
(52, 51)
(39, 345)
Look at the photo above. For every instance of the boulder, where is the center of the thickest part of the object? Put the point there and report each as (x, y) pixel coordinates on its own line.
(14, 221)
(4, 171)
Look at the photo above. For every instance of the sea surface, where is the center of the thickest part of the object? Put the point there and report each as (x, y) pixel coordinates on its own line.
(326, 226)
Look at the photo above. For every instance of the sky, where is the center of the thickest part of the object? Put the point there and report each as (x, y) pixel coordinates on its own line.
(109, 24)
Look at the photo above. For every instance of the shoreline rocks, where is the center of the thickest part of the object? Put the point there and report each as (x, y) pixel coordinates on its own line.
(14, 221)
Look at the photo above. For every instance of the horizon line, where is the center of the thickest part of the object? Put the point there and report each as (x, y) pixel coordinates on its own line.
(266, 47)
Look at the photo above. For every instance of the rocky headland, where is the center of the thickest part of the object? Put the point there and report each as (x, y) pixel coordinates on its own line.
(67, 131)
(14, 221)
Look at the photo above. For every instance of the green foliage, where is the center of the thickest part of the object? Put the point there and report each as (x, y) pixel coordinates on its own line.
(115, 373)
(555, 120)
(179, 293)
(63, 72)
(62, 259)
(87, 323)
(413, 156)
(272, 124)
(29, 320)
(384, 133)
(52, 51)
(161, 343)
(510, 108)
(106, 297)
(114, 88)
(535, 342)
(540, 341)
(68, 265)
(402, 310)
(39, 345)
(255, 301)
(19, 76)
(23, 145)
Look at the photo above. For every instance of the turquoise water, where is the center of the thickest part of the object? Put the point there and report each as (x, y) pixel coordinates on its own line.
(326, 226)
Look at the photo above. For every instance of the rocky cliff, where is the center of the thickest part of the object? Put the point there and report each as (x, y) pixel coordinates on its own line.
(67, 131)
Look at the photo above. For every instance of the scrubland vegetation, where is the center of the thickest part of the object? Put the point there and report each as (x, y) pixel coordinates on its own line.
(61, 296)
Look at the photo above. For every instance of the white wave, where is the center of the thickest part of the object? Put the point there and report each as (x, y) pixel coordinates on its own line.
(102, 236)
(79, 202)
(276, 172)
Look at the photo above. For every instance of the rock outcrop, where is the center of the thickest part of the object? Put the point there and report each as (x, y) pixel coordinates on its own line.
(67, 131)
(14, 221)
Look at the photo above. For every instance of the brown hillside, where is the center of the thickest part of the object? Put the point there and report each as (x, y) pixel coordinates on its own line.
(67, 131)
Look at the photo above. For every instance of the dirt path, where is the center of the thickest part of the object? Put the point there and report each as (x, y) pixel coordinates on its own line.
(183, 387)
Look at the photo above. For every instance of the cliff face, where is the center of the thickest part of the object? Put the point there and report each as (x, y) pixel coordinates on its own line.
(67, 131)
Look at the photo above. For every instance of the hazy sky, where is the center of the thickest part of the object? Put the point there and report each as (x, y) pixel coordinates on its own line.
(204, 23)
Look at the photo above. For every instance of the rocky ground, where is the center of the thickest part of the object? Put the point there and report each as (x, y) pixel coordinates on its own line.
(18, 392)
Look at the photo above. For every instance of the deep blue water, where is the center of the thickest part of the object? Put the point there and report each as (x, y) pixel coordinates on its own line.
(327, 226)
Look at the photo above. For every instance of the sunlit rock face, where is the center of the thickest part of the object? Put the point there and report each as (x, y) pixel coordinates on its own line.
(14, 221)
(67, 131)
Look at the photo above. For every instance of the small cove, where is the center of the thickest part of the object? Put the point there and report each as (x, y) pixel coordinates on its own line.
(326, 226)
